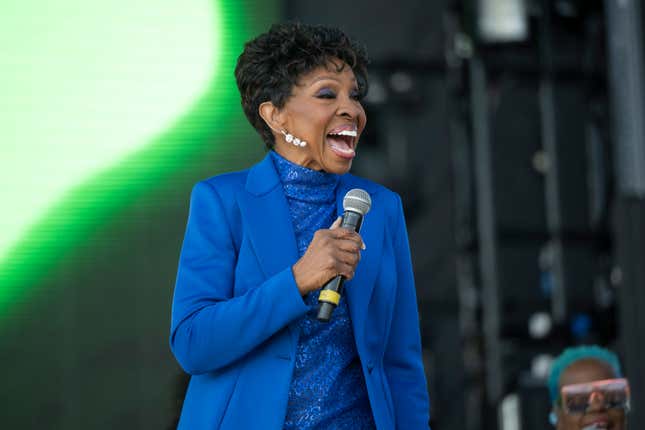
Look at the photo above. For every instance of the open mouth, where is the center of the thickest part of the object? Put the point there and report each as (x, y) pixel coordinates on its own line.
(597, 425)
(342, 142)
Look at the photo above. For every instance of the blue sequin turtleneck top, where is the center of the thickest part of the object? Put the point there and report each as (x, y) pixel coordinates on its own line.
(328, 388)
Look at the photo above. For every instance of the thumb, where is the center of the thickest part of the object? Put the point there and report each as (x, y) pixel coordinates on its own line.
(336, 223)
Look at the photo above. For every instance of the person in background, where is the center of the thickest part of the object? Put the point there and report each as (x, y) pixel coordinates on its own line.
(587, 390)
(259, 247)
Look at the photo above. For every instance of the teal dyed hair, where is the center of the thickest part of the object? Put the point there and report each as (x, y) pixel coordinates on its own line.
(571, 355)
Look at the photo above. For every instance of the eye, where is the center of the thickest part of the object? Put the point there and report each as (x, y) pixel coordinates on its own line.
(326, 93)
(577, 403)
(356, 95)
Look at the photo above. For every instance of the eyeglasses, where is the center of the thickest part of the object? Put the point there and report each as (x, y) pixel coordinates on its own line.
(614, 394)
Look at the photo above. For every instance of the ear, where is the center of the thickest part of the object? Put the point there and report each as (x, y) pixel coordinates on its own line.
(273, 116)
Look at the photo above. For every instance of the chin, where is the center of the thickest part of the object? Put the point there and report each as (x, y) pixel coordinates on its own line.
(332, 163)
(339, 168)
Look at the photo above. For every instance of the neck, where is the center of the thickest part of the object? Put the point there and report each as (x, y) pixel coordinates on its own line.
(297, 156)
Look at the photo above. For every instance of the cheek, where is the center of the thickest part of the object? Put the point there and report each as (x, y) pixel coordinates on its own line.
(362, 119)
(314, 122)
(568, 422)
(616, 416)
(306, 117)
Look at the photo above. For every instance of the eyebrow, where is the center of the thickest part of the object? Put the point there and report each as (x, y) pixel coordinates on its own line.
(329, 77)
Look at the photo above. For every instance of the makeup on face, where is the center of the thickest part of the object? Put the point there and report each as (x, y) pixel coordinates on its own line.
(325, 110)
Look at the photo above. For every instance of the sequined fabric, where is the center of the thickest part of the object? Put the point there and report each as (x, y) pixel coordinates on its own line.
(327, 389)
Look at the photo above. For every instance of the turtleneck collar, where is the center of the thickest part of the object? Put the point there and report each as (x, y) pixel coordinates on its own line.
(303, 184)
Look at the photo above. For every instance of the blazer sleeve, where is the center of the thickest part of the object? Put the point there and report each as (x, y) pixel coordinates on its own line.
(211, 328)
(402, 360)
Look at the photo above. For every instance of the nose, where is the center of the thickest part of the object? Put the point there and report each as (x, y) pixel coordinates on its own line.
(596, 401)
(350, 108)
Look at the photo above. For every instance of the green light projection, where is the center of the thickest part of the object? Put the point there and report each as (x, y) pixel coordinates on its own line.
(87, 84)
(105, 102)
(109, 113)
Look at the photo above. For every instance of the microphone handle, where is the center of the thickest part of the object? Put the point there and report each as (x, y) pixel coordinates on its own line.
(331, 292)
(330, 297)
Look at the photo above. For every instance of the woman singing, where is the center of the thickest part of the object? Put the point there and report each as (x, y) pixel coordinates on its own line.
(261, 243)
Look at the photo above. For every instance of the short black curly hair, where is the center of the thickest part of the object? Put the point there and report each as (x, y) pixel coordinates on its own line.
(272, 63)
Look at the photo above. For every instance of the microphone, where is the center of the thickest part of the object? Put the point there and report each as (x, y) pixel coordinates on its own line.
(356, 204)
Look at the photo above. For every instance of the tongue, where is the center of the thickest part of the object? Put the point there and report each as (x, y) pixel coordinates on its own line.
(339, 143)
(340, 146)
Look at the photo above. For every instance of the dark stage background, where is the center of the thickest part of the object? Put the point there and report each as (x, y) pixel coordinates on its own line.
(512, 129)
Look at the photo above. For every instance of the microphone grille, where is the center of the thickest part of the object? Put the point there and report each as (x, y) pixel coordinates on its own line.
(357, 200)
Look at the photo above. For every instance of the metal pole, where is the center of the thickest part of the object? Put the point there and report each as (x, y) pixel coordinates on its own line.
(486, 231)
(625, 49)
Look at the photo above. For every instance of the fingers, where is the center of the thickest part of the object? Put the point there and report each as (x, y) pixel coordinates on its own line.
(347, 271)
(352, 245)
(344, 263)
(343, 234)
(334, 251)
(350, 259)
(336, 223)
(346, 257)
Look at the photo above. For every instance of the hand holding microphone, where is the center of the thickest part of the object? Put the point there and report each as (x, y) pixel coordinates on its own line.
(333, 252)
(356, 204)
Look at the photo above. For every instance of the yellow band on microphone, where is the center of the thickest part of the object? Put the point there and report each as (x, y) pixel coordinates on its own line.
(329, 296)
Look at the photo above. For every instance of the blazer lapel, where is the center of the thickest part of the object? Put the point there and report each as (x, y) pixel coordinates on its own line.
(267, 219)
(358, 291)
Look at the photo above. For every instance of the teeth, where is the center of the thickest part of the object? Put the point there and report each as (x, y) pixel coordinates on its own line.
(351, 133)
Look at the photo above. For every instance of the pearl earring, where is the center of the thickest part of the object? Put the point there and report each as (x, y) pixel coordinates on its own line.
(290, 138)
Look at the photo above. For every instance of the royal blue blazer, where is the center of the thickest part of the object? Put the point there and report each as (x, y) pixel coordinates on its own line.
(236, 305)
